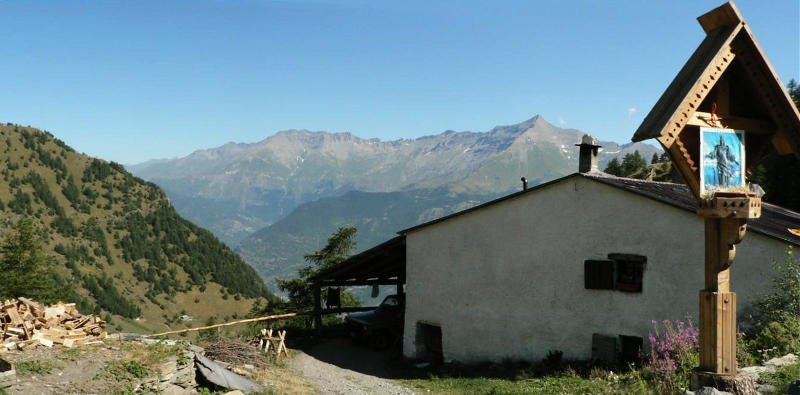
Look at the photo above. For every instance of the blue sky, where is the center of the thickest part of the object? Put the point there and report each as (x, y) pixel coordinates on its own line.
(135, 80)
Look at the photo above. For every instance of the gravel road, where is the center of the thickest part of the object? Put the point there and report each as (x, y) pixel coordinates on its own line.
(340, 367)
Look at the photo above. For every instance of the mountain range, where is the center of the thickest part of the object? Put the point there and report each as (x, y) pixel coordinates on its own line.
(280, 198)
(237, 189)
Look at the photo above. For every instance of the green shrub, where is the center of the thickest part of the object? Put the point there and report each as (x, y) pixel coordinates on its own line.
(778, 338)
(778, 313)
(783, 377)
(785, 300)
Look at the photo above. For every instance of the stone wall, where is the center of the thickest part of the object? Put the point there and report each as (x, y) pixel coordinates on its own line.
(175, 376)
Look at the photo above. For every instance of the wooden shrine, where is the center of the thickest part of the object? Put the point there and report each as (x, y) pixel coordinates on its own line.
(728, 84)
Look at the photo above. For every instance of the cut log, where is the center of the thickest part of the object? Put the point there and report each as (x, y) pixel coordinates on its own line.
(13, 315)
(31, 304)
(54, 312)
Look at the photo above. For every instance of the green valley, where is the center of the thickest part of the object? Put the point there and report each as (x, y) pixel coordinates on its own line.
(277, 251)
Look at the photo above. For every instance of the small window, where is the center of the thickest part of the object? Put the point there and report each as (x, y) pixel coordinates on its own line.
(390, 301)
(598, 274)
(629, 271)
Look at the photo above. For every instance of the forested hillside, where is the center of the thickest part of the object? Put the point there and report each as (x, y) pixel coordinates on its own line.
(116, 240)
(277, 251)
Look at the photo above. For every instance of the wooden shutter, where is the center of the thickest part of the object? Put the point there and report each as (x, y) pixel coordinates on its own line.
(598, 274)
(604, 348)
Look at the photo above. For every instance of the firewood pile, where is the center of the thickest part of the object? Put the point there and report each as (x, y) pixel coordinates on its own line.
(235, 351)
(27, 324)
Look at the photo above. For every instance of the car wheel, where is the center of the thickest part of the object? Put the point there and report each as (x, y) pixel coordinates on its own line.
(380, 340)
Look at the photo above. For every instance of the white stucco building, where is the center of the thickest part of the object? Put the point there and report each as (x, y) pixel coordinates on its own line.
(548, 267)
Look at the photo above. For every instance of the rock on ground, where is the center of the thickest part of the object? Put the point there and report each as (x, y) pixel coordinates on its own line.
(707, 391)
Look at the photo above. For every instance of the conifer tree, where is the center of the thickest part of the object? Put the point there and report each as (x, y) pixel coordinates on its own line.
(633, 164)
(339, 247)
(299, 292)
(613, 167)
(25, 267)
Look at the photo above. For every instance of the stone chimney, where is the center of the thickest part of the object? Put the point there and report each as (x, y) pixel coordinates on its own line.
(588, 159)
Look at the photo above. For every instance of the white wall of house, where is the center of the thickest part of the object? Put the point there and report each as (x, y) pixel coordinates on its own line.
(507, 281)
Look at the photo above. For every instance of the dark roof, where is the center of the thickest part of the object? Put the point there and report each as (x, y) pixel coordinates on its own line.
(774, 222)
(382, 262)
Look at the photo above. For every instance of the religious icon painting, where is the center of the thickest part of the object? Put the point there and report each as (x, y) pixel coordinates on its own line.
(722, 160)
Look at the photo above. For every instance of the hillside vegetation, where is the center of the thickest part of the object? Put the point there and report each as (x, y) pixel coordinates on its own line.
(115, 239)
(277, 251)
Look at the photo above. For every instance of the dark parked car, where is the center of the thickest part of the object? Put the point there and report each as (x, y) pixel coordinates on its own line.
(381, 327)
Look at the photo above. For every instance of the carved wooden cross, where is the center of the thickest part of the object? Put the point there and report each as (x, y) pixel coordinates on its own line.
(728, 82)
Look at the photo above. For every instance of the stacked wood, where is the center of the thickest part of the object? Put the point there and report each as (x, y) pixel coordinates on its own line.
(26, 324)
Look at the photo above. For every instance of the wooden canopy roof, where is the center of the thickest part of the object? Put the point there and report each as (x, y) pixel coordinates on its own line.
(384, 264)
(730, 74)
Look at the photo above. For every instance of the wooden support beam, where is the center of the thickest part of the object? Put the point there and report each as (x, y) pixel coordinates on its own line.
(266, 318)
(686, 167)
(317, 308)
(725, 15)
(357, 282)
(782, 144)
(750, 125)
(340, 310)
(717, 302)
(400, 282)
(718, 332)
(722, 235)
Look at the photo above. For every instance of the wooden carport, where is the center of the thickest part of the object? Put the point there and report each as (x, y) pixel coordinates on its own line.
(384, 264)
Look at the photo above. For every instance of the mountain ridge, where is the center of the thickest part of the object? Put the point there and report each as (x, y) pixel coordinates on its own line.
(238, 188)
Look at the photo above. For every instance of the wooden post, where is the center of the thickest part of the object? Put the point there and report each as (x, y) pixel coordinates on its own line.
(317, 307)
(717, 302)
(400, 282)
(726, 215)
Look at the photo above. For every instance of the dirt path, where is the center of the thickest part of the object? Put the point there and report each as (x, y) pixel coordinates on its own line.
(340, 367)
